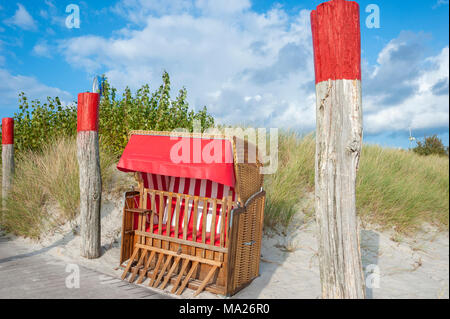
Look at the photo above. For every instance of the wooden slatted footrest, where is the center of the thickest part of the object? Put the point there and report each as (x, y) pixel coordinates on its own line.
(165, 257)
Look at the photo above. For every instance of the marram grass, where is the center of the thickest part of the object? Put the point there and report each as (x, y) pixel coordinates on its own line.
(45, 190)
(395, 188)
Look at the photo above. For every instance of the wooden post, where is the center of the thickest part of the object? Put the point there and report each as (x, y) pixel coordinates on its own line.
(337, 59)
(7, 157)
(90, 178)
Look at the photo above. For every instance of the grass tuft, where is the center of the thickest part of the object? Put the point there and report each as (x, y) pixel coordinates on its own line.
(294, 177)
(45, 190)
(395, 188)
(398, 188)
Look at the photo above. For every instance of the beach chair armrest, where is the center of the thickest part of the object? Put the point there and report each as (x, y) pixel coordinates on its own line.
(255, 196)
(243, 209)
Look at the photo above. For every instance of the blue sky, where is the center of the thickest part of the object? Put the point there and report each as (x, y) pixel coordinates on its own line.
(249, 62)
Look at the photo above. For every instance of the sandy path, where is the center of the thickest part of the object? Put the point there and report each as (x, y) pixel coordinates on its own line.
(406, 268)
(26, 273)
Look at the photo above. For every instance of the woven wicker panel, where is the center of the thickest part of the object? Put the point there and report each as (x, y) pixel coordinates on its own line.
(249, 243)
(248, 175)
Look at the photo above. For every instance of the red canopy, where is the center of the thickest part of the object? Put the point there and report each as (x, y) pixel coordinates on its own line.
(189, 157)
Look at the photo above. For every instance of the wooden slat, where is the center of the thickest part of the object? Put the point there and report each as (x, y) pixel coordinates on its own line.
(184, 256)
(204, 218)
(180, 275)
(144, 201)
(230, 205)
(205, 281)
(161, 213)
(141, 218)
(169, 216)
(169, 274)
(186, 279)
(212, 235)
(145, 269)
(135, 251)
(141, 191)
(155, 271)
(190, 197)
(139, 264)
(144, 217)
(182, 241)
(195, 283)
(163, 270)
(185, 221)
(137, 210)
(152, 214)
(177, 216)
(222, 222)
(194, 219)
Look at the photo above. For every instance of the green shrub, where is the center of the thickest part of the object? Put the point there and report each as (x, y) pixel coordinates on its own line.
(431, 145)
(36, 123)
(145, 111)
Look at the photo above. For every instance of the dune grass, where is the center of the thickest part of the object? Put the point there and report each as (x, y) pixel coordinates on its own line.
(294, 177)
(401, 189)
(45, 190)
(395, 188)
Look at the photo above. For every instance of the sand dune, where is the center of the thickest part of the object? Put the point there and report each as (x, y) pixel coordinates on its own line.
(395, 267)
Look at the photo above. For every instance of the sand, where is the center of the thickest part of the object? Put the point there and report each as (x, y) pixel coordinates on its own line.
(395, 267)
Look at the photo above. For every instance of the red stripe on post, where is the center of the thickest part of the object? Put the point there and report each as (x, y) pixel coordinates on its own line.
(7, 131)
(336, 41)
(87, 113)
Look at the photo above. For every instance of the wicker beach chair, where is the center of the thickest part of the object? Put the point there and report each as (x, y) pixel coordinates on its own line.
(194, 221)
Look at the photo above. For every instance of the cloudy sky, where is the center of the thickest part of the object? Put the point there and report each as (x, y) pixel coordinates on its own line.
(249, 62)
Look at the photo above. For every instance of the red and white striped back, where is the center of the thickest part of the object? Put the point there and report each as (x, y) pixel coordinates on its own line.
(188, 186)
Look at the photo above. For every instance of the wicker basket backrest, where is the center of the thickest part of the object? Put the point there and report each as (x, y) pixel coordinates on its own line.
(249, 180)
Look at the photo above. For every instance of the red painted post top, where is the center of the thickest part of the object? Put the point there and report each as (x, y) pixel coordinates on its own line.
(87, 112)
(7, 131)
(336, 40)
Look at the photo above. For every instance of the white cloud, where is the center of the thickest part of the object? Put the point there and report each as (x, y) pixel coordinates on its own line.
(42, 49)
(221, 62)
(222, 7)
(22, 19)
(424, 108)
(137, 11)
(257, 68)
(53, 15)
(440, 3)
(11, 85)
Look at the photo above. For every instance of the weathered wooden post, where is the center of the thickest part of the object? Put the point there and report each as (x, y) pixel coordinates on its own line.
(90, 178)
(7, 156)
(337, 58)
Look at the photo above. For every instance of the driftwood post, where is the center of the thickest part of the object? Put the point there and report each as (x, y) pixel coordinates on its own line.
(90, 178)
(7, 156)
(337, 59)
